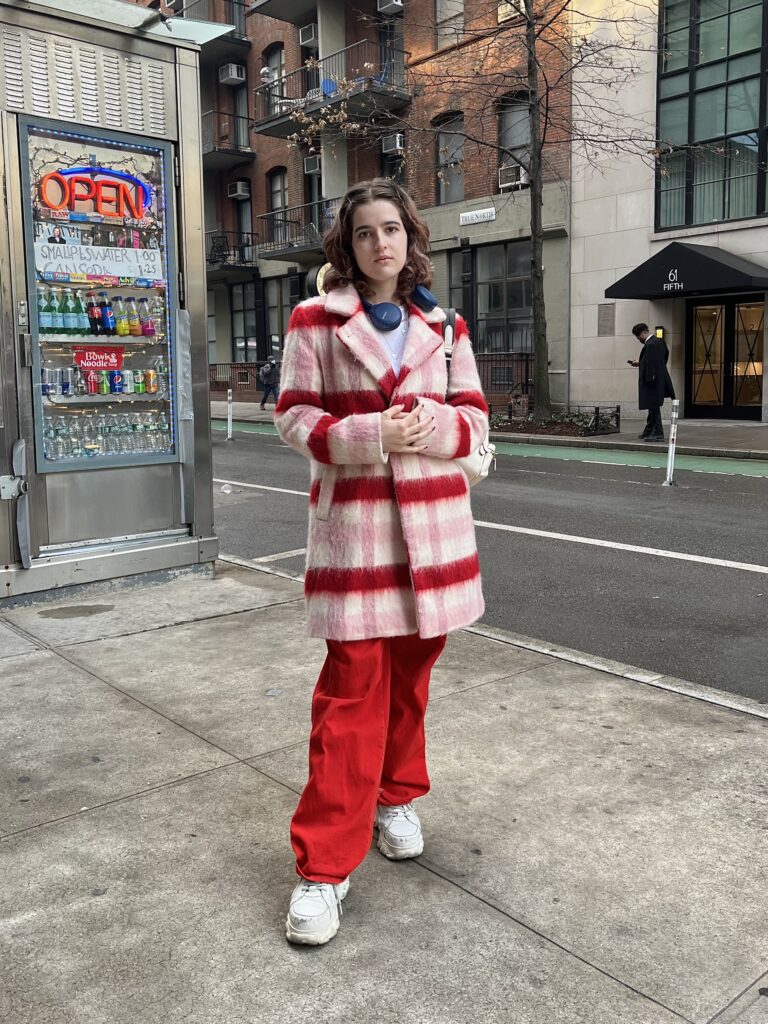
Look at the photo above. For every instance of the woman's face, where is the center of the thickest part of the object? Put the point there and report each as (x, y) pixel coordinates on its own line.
(379, 243)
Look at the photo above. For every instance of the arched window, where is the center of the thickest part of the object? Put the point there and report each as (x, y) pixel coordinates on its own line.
(449, 20)
(274, 60)
(449, 159)
(514, 140)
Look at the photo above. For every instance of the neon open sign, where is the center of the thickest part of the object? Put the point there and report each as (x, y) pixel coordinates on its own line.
(111, 193)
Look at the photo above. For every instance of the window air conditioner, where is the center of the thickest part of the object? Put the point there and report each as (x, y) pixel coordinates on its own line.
(240, 189)
(389, 6)
(232, 74)
(393, 143)
(512, 176)
(308, 36)
(313, 165)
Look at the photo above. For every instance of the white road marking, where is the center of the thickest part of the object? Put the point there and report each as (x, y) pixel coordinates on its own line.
(682, 556)
(261, 487)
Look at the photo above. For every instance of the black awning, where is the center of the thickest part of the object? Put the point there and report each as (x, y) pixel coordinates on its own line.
(680, 269)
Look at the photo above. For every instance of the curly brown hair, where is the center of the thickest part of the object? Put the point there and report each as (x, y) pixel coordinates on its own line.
(337, 242)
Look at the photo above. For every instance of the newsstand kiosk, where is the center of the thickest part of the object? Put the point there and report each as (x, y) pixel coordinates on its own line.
(105, 461)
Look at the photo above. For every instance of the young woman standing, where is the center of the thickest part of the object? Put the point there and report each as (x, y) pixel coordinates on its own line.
(392, 563)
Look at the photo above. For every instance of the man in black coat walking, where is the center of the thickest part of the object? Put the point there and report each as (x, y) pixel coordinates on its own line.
(269, 375)
(654, 382)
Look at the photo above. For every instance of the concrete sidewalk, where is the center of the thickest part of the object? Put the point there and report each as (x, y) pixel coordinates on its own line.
(597, 848)
(739, 439)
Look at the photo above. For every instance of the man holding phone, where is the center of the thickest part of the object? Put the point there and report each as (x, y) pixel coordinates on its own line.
(654, 382)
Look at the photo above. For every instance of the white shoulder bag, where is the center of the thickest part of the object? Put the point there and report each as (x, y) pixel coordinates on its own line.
(476, 465)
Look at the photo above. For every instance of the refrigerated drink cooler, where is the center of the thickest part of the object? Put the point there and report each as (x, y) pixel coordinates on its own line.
(105, 464)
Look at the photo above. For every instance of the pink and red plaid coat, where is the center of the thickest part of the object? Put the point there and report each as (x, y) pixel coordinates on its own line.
(391, 546)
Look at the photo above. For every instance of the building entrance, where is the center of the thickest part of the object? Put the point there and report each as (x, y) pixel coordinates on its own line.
(724, 357)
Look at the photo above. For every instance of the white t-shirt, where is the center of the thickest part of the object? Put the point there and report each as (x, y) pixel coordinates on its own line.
(393, 342)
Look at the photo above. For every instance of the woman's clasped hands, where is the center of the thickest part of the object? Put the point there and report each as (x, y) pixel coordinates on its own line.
(406, 432)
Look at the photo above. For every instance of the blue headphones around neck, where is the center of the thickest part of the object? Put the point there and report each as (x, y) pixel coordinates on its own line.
(386, 316)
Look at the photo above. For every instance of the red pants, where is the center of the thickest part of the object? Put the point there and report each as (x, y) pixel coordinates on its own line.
(366, 748)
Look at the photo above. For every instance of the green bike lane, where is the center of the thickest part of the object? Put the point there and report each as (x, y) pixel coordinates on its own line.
(652, 459)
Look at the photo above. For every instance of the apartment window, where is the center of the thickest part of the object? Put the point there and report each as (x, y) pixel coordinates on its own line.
(242, 120)
(244, 246)
(393, 166)
(274, 59)
(392, 47)
(450, 158)
(243, 306)
(278, 189)
(449, 20)
(503, 298)
(711, 85)
(210, 306)
(514, 137)
(511, 9)
(455, 283)
(278, 299)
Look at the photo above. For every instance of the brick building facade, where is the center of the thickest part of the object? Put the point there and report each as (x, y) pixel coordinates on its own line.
(409, 69)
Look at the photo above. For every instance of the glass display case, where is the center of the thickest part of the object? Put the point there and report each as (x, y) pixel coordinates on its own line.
(101, 279)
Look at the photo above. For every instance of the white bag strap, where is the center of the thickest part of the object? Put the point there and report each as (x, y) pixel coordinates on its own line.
(449, 329)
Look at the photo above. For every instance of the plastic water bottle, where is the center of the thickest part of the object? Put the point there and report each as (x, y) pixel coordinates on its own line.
(62, 444)
(165, 432)
(124, 434)
(49, 438)
(157, 311)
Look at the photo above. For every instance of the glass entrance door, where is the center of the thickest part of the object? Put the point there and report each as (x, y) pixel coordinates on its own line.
(724, 358)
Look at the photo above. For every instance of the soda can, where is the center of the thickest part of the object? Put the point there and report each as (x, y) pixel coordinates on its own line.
(139, 382)
(104, 386)
(116, 382)
(92, 381)
(49, 380)
(128, 382)
(150, 380)
(67, 381)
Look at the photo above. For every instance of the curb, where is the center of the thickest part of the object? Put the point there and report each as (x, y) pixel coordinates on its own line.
(499, 436)
(553, 441)
(646, 677)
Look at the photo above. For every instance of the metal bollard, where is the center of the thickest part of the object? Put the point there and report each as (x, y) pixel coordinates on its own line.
(229, 414)
(669, 482)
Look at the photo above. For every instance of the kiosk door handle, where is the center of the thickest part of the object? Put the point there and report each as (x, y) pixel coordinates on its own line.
(16, 488)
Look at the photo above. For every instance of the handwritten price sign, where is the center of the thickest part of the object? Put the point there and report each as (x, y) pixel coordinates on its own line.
(99, 358)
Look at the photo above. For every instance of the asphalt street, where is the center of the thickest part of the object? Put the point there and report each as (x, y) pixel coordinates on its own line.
(702, 622)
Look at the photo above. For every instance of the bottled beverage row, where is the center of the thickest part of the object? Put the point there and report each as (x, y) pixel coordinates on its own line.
(78, 436)
(67, 381)
(64, 311)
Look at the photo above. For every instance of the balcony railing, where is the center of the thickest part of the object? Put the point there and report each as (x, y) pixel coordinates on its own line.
(364, 69)
(223, 132)
(236, 248)
(296, 227)
(224, 12)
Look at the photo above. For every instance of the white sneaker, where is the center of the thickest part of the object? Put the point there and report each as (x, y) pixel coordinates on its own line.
(314, 912)
(399, 832)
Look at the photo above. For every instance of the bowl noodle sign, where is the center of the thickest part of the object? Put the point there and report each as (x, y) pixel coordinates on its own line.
(98, 190)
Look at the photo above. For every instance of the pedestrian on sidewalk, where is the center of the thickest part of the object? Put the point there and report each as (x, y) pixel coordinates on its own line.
(654, 382)
(392, 562)
(269, 375)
